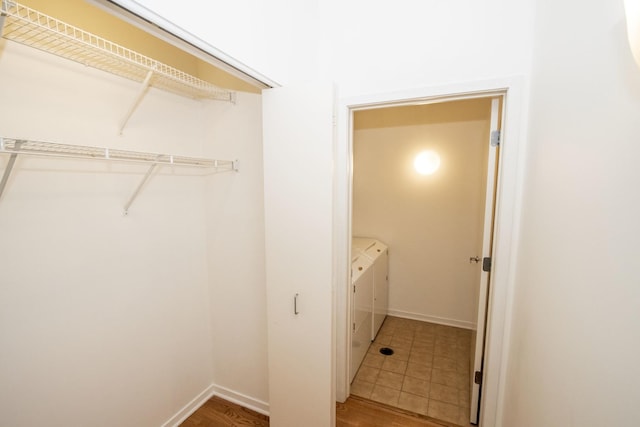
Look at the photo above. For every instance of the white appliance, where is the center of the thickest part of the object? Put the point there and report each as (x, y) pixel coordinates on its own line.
(359, 245)
(361, 309)
(378, 253)
(370, 301)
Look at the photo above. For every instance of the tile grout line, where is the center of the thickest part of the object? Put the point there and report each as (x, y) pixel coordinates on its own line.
(441, 339)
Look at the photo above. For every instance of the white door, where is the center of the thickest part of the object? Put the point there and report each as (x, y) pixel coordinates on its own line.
(298, 179)
(478, 336)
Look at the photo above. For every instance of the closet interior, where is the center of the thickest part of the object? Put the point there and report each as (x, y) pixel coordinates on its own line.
(130, 319)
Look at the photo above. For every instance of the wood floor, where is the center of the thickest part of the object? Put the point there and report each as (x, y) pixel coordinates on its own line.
(354, 412)
(357, 411)
(220, 413)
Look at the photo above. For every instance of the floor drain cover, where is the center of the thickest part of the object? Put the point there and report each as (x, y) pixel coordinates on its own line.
(386, 351)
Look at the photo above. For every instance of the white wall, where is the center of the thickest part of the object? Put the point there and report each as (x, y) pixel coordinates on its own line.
(235, 238)
(576, 335)
(106, 319)
(377, 47)
(432, 223)
(269, 38)
(364, 46)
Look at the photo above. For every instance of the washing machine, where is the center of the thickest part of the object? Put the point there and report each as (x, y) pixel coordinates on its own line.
(361, 309)
(378, 253)
(359, 245)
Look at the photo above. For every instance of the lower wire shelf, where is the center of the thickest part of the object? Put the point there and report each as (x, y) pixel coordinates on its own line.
(15, 147)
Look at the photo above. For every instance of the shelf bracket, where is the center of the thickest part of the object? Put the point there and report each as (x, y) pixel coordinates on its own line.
(3, 15)
(135, 193)
(136, 101)
(9, 168)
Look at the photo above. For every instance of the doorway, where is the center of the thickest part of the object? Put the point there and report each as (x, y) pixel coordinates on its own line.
(432, 219)
(502, 240)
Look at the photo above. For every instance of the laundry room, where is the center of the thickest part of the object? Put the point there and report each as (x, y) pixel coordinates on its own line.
(419, 190)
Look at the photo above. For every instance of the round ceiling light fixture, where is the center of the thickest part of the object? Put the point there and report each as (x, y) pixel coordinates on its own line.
(427, 162)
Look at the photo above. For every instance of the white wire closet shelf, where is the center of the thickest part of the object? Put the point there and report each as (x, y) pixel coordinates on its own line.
(33, 28)
(15, 147)
(42, 148)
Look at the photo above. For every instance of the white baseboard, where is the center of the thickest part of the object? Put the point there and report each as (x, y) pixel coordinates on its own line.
(432, 319)
(241, 399)
(190, 407)
(224, 393)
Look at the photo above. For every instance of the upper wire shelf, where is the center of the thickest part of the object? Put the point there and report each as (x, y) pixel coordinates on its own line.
(33, 28)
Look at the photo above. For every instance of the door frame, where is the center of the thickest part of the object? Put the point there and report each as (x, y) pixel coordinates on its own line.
(484, 279)
(507, 214)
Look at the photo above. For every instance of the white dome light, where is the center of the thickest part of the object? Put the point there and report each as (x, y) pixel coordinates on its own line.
(632, 9)
(426, 163)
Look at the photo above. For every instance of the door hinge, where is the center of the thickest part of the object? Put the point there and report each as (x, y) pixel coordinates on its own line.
(354, 327)
(495, 138)
(477, 377)
(354, 289)
(486, 264)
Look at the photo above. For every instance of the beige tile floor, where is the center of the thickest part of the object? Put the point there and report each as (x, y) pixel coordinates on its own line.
(427, 374)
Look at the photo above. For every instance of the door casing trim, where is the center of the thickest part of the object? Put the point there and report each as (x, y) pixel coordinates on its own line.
(507, 217)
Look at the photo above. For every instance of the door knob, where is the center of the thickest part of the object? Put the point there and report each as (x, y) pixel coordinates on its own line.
(475, 259)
